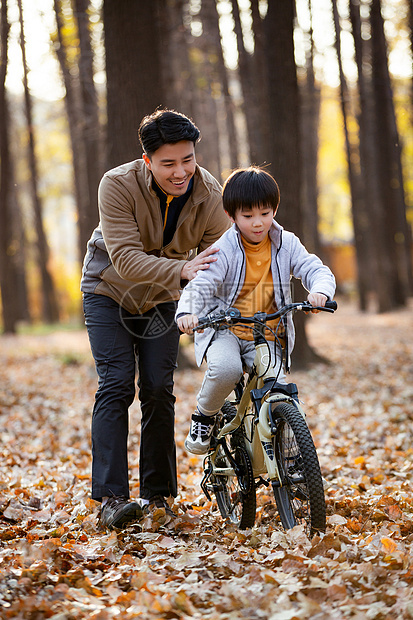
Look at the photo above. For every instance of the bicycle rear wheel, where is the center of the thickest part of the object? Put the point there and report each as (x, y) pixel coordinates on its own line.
(300, 493)
(235, 494)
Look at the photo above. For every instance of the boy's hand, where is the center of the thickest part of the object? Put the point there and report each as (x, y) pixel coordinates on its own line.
(187, 323)
(191, 268)
(317, 299)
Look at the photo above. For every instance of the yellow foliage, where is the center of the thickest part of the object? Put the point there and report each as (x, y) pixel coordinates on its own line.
(334, 193)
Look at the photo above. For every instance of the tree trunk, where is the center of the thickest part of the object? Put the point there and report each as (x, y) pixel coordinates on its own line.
(188, 71)
(284, 137)
(253, 79)
(212, 95)
(6, 270)
(205, 101)
(134, 72)
(259, 74)
(50, 307)
(176, 66)
(73, 107)
(357, 203)
(17, 243)
(90, 122)
(255, 142)
(310, 115)
(283, 128)
(210, 18)
(373, 206)
(19, 251)
(395, 231)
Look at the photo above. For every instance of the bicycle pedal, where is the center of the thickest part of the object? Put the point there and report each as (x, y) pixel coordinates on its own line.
(215, 487)
(261, 481)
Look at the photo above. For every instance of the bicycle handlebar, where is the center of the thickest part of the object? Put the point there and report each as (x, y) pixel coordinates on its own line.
(233, 315)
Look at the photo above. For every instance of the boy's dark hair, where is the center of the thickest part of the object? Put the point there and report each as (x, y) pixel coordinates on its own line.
(250, 187)
(165, 127)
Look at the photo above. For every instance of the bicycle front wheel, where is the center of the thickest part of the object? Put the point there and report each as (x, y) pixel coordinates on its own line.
(299, 494)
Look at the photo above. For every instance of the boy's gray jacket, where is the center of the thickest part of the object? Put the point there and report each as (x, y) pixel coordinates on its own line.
(218, 287)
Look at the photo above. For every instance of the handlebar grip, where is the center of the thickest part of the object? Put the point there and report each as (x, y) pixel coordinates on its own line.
(332, 305)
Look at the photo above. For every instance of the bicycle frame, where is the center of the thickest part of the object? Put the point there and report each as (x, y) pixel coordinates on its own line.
(257, 429)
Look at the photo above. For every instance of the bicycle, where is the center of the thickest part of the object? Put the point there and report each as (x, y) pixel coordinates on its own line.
(262, 438)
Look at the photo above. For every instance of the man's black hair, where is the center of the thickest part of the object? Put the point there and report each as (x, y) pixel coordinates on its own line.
(165, 127)
(250, 187)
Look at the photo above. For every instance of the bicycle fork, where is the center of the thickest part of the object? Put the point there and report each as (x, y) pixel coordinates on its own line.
(266, 428)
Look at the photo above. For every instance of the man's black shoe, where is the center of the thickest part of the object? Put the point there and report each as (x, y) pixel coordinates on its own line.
(158, 501)
(118, 511)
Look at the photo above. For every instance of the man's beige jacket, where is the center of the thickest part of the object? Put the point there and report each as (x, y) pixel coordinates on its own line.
(126, 259)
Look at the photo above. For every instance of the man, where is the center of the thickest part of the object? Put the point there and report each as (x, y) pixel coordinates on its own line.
(154, 212)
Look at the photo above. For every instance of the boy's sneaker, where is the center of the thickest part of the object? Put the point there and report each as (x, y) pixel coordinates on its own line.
(118, 511)
(199, 436)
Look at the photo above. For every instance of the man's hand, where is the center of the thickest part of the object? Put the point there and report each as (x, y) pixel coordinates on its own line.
(202, 261)
(317, 299)
(187, 323)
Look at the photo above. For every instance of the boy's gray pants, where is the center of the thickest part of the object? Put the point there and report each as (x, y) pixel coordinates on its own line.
(227, 357)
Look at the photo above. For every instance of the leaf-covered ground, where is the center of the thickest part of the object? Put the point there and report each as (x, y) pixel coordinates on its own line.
(55, 563)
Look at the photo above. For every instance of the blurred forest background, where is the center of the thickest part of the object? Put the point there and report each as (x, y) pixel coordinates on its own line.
(318, 91)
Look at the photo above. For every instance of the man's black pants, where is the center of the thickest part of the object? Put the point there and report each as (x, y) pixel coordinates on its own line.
(118, 339)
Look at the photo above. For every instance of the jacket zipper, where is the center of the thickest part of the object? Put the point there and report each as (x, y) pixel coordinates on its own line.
(284, 319)
(240, 272)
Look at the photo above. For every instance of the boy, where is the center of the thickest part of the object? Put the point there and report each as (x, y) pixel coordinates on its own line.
(255, 262)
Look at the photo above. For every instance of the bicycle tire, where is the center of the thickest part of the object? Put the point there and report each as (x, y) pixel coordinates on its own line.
(235, 495)
(300, 498)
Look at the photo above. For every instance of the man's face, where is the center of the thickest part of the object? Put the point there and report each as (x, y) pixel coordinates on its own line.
(173, 166)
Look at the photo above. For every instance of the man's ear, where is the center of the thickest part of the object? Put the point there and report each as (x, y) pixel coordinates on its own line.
(146, 160)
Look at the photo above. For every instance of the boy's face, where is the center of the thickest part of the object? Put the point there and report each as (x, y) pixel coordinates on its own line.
(173, 166)
(255, 223)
